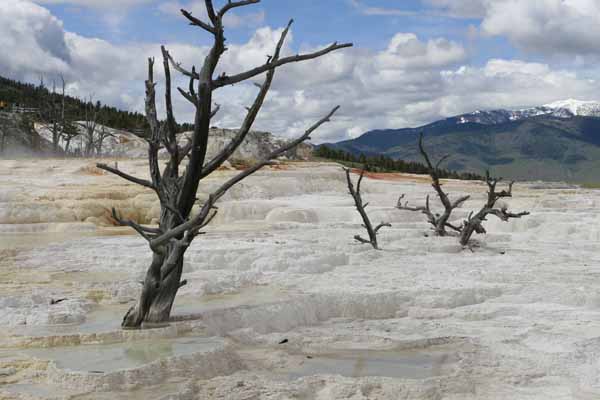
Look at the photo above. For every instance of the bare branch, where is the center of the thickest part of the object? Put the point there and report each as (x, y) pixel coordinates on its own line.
(177, 66)
(125, 176)
(425, 155)
(504, 215)
(444, 158)
(187, 96)
(155, 129)
(460, 201)
(381, 225)
(210, 10)
(226, 152)
(171, 140)
(360, 178)
(144, 231)
(231, 80)
(197, 22)
(360, 239)
(204, 212)
(431, 218)
(234, 4)
(189, 225)
(454, 227)
(282, 150)
(215, 110)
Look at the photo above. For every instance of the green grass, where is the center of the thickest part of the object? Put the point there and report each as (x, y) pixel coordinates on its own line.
(590, 185)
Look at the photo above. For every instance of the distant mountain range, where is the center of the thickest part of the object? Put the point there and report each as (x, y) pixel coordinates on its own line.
(557, 141)
(560, 109)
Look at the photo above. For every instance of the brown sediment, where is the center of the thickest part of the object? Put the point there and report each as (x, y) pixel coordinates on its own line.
(90, 170)
(394, 176)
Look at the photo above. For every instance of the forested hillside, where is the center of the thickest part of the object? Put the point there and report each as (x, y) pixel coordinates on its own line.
(382, 163)
(39, 96)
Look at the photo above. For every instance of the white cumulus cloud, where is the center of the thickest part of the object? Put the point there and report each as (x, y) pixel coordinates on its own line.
(410, 82)
(569, 27)
(32, 41)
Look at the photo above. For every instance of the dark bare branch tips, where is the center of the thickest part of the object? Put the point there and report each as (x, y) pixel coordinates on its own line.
(439, 221)
(360, 207)
(381, 225)
(277, 153)
(215, 110)
(474, 223)
(144, 231)
(251, 114)
(177, 66)
(431, 218)
(210, 10)
(225, 80)
(234, 4)
(155, 127)
(197, 22)
(169, 140)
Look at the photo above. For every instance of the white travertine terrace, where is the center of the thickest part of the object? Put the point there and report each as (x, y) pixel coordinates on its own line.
(518, 318)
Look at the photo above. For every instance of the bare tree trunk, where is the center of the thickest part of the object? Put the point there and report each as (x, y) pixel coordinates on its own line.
(4, 123)
(62, 115)
(361, 208)
(473, 225)
(89, 125)
(2, 138)
(177, 192)
(67, 144)
(157, 297)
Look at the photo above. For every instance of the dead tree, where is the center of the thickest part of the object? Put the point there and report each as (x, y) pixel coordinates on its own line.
(52, 113)
(2, 134)
(69, 132)
(474, 223)
(92, 113)
(439, 222)
(360, 207)
(103, 133)
(176, 186)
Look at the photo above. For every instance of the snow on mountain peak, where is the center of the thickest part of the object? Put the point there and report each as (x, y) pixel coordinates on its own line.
(577, 107)
(559, 109)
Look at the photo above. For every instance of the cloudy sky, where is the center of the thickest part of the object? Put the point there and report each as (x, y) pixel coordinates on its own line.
(414, 61)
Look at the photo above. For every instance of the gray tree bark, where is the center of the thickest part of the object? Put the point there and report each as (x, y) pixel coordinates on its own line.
(474, 224)
(176, 189)
(361, 208)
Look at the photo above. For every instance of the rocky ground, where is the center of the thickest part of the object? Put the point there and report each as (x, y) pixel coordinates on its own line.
(283, 304)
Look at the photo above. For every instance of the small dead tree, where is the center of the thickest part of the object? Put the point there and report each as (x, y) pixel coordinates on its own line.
(474, 223)
(360, 207)
(2, 134)
(52, 113)
(176, 189)
(439, 221)
(92, 113)
(69, 132)
(103, 133)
